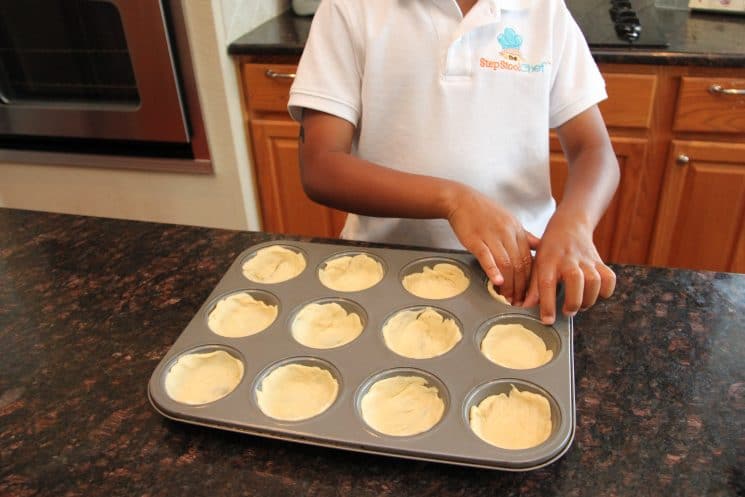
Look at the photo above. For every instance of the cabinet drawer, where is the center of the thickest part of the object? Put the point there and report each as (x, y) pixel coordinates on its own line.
(702, 108)
(268, 85)
(630, 99)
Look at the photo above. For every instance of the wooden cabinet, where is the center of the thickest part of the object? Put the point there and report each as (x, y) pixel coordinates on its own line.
(274, 141)
(701, 221)
(711, 104)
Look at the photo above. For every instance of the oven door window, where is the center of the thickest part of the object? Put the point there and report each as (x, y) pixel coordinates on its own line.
(65, 51)
(90, 69)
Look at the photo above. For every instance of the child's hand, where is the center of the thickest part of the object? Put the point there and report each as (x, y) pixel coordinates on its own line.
(566, 253)
(497, 239)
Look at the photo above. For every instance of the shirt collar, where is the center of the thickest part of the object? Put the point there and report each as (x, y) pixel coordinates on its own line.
(487, 12)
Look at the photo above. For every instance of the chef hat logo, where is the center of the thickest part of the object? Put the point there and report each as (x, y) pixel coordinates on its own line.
(510, 39)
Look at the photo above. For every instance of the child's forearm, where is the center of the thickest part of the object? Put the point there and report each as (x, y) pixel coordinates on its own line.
(593, 179)
(593, 170)
(348, 183)
(333, 177)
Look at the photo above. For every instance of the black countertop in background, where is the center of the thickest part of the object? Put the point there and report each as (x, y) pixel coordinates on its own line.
(89, 306)
(695, 38)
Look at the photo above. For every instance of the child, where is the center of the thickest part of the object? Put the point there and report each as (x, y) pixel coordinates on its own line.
(428, 121)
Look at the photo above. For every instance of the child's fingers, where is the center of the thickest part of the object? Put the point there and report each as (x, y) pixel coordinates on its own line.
(523, 267)
(607, 280)
(505, 254)
(487, 263)
(547, 294)
(592, 287)
(574, 284)
(533, 241)
(531, 297)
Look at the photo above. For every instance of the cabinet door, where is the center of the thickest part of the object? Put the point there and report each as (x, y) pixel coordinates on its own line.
(284, 205)
(701, 219)
(612, 235)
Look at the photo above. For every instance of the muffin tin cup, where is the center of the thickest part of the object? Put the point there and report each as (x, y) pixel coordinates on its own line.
(258, 295)
(463, 371)
(431, 381)
(349, 306)
(350, 253)
(307, 361)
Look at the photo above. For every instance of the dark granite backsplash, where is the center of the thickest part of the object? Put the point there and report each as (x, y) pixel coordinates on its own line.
(89, 306)
(694, 38)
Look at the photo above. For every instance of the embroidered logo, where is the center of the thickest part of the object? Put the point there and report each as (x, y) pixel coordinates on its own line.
(511, 58)
(511, 43)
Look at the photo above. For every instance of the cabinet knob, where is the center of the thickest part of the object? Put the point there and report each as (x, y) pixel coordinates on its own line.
(682, 159)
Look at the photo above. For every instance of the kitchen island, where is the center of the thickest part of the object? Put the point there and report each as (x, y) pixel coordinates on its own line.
(89, 306)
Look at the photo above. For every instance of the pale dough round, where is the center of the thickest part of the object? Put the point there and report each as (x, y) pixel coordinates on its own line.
(240, 315)
(515, 346)
(274, 264)
(440, 282)
(351, 273)
(495, 295)
(295, 392)
(519, 420)
(325, 326)
(420, 334)
(200, 378)
(401, 406)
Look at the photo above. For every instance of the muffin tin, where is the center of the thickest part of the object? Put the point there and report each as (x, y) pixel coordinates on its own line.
(463, 375)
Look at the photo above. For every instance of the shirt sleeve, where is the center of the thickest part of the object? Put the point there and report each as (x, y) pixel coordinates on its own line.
(577, 83)
(329, 75)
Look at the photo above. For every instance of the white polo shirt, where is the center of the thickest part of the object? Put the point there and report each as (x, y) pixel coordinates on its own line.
(469, 99)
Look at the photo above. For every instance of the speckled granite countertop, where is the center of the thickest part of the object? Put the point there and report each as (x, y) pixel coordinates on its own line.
(89, 306)
(695, 38)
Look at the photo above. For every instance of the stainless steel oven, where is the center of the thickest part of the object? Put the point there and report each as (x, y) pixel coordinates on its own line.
(102, 71)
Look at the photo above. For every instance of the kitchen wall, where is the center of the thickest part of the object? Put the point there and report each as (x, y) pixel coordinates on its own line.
(224, 199)
(239, 16)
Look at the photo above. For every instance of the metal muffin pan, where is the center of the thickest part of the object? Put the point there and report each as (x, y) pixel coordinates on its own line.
(463, 374)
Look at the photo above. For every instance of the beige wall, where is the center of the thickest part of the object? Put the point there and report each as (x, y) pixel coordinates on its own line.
(224, 199)
(239, 16)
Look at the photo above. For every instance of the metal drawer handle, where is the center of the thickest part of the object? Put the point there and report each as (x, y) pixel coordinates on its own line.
(718, 90)
(279, 75)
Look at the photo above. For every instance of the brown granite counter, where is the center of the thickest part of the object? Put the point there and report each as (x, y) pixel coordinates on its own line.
(694, 38)
(89, 306)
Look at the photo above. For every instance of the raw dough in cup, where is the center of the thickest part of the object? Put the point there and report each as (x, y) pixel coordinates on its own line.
(442, 281)
(325, 325)
(421, 333)
(241, 315)
(518, 420)
(351, 273)
(295, 392)
(199, 378)
(274, 264)
(514, 346)
(495, 294)
(402, 406)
